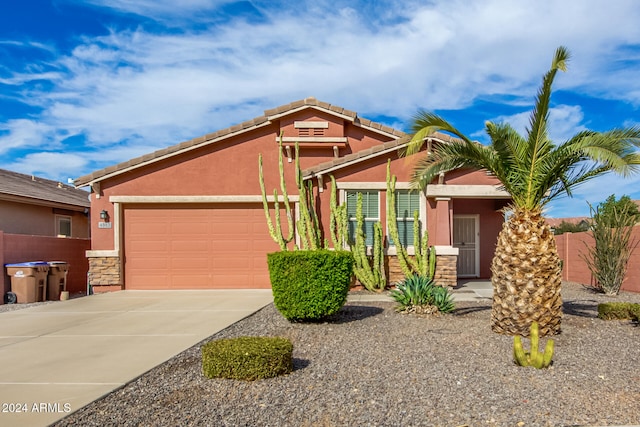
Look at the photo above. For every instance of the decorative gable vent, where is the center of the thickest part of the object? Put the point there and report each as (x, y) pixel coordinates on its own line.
(312, 134)
(311, 128)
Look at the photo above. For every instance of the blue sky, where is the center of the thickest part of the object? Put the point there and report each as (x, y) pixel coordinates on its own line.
(89, 83)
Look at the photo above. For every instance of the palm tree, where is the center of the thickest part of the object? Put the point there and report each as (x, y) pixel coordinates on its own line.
(526, 269)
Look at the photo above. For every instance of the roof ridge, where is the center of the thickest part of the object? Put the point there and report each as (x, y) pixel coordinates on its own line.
(269, 114)
(366, 153)
(33, 177)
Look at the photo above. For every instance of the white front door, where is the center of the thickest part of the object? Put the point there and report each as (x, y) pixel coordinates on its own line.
(465, 238)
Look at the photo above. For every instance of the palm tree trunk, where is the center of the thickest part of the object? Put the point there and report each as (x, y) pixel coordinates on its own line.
(526, 277)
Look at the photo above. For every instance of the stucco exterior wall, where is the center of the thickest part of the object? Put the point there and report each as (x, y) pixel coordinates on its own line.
(491, 221)
(18, 248)
(23, 218)
(228, 167)
(573, 246)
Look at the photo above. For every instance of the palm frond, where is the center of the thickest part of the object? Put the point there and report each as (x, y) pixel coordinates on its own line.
(532, 168)
(425, 124)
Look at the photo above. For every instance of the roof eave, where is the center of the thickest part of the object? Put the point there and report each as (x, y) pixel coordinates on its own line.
(89, 180)
(42, 202)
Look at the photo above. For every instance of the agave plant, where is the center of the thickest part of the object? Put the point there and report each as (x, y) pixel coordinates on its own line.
(420, 291)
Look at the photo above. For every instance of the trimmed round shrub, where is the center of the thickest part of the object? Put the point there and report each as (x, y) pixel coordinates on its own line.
(310, 285)
(618, 311)
(247, 358)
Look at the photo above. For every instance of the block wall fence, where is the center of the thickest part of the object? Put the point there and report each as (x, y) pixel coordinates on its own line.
(571, 248)
(16, 248)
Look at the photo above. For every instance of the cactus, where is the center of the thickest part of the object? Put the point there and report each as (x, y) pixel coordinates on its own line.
(338, 220)
(308, 224)
(424, 262)
(276, 231)
(533, 357)
(370, 272)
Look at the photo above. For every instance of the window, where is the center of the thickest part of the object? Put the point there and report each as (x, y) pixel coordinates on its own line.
(370, 209)
(63, 225)
(407, 202)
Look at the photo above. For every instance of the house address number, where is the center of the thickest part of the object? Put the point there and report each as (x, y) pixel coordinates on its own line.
(104, 224)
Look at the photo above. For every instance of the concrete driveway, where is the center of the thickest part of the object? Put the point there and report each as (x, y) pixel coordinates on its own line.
(56, 358)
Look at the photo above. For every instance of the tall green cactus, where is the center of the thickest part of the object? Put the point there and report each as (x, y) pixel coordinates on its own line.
(276, 231)
(538, 360)
(424, 261)
(308, 224)
(369, 271)
(339, 219)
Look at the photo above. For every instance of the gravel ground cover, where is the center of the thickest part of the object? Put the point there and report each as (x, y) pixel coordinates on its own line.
(371, 366)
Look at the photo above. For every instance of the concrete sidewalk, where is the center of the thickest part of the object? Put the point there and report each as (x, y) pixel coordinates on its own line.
(57, 358)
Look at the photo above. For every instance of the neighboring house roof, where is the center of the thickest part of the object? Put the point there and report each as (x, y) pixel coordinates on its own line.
(34, 190)
(555, 222)
(223, 134)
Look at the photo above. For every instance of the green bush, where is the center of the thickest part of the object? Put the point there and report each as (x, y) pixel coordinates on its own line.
(619, 311)
(310, 285)
(420, 291)
(611, 226)
(247, 358)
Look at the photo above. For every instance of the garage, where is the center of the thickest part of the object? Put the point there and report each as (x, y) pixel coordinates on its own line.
(196, 246)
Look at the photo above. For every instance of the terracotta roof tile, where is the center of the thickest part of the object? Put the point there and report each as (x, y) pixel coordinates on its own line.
(365, 154)
(211, 137)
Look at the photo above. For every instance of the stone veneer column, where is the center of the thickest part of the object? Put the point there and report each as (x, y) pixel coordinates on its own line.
(446, 270)
(445, 275)
(105, 274)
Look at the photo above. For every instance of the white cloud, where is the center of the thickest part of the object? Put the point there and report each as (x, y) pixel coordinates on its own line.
(564, 122)
(24, 133)
(143, 88)
(49, 165)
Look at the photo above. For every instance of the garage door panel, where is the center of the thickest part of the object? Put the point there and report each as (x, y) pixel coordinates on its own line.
(186, 263)
(222, 245)
(192, 228)
(199, 247)
(195, 245)
(224, 265)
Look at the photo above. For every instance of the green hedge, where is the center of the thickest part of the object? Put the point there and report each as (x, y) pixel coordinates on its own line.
(619, 311)
(247, 358)
(310, 285)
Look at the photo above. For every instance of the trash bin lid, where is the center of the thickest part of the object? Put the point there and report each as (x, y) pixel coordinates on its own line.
(27, 264)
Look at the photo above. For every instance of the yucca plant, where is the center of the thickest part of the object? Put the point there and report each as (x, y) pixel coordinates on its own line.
(420, 291)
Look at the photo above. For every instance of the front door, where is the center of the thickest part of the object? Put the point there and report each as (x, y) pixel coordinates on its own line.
(465, 238)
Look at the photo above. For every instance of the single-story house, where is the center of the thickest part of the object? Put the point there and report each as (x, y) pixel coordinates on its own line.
(42, 207)
(191, 217)
(44, 220)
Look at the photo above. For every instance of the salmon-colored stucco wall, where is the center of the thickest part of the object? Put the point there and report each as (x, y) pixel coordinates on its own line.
(469, 177)
(227, 167)
(573, 246)
(17, 248)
